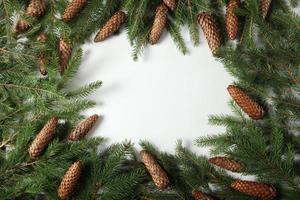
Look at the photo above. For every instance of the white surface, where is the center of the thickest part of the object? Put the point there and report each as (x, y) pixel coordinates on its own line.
(162, 97)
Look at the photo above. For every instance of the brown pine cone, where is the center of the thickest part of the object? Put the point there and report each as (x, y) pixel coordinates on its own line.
(200, 196)
(36, 8)
(83, 128)
(69, 181)
(111, 26)
(158, 175)
(210, 30)
(21, 26)
(247, 104)
(65, 52)
(42, 139)
(170, 3)
(264, 7)
(231, 19)
(41, 57)
(255, 189)
(226, 163)
(159, 23)
(72, 9)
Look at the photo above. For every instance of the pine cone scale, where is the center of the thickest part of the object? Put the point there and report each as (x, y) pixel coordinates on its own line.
(200, 196)
(170, 3)
(264, 7)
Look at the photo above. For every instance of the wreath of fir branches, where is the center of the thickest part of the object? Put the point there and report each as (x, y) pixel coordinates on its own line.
(44, 153)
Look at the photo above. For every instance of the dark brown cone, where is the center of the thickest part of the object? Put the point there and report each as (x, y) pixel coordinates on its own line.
(41, 57)
(65, 52)
(170, 3)
(111, 26)
(43, 138)
(83, 128)
(200, 196)
(72, 9)
(36, 8)
(226, 163)
(158, 175)
(264, 7)
(210, 30)
(21, 26)
(231, 19)
(159, 23)
(255, 189)
(69, 181)
(247, 104)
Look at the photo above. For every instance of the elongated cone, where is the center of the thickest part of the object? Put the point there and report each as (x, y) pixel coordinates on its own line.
(231, 19)
(73, 9)
(170, 3)
(159, 176)
(69, 181)
(264, 7)
(41, 57)
(65, 52)
(226, 163)
(35, 8)
(111, 26)
(210, 30)
(255, 189)
(247, 104)
(200, 196)
(43, 138)
(83, 128)
(159, 23)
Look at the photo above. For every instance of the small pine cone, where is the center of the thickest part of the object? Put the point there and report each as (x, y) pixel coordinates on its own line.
(231, 19)
(200, 196)
(159, 176)
(247, 104)
(42, 37)
(73, 9)
(21, 26)
(111, 26)
(83, 128)
(42, 139)
(210, 30)
(255, 189)
(226, 163)
(159, 23)
(170, 3)
(65, 52)
(36, 8)
(264, 7)
(69, 181)
(41, 57)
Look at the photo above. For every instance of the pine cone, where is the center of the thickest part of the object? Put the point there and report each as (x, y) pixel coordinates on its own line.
(210, 30)
(170, 3)
(226, 163)
(200, 196)
(72, 9)
(83, 128)
(21, 26)
(36, 8)
(255, 189)
(159, 23)
(231, 19)
(111, 26)
(42, 139)
(264, 7)
(248, 105)
(159, 176)
(69, 181)
(41, 57)
(65, 52)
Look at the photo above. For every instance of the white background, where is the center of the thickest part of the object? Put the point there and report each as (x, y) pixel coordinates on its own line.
(162, 97)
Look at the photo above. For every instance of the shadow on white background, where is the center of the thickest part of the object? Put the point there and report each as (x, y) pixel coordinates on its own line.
(162, 97)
